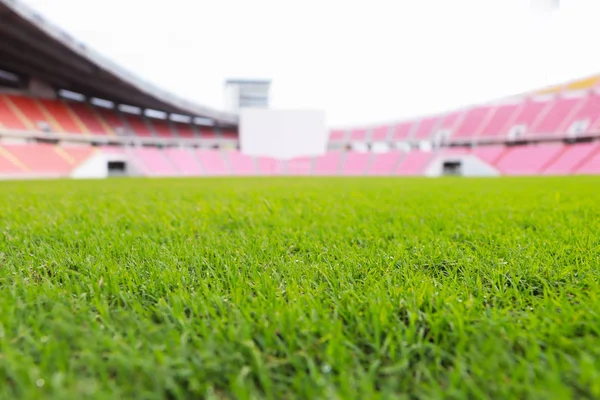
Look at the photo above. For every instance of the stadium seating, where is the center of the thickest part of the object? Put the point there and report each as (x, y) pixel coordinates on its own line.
(30, 111)
(212, 162)
(9, 119)
(413, 163)
(40, 159)
(426, 128)
(472, 122)
(591, 164)
(185, 131)
(355, 163)
(403, 130)
(93, 123)
(161, 127)
(229, 134)
(587, 113)
(489, 154)
(153, 162)
(528, 114)
(184, 161)
(380, 133)
(299, 166)
(337, 135)
(552, 122)
(137, 124)
(240, 164)
(572, 157)
(269, 166)
(528, 160)
(328, 164)
(449, 123)
(359, 134)
(496, 127)
(61, 117)
(385, 163)
(113, 120)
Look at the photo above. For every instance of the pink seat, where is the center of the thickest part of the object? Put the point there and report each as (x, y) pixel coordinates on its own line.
(497, 124)
(489, 154)
(380, 133)
(552, 123)
(385, 163)
(591, 165)
(8, 166)
(184, 160)
(337, 135)
(78, 153)
(42, 159)
(529, 159)
(472, 123)
(529, 114)
(269, 166)
(588, 111)
(299, 166)
(572, 157)
(414, 163)
(358, 134)
(450, 122)
(426, 128)
(241, 164)
(212, 162)
(153, 162)
(403, 130)
(328, 164)
(355, 163)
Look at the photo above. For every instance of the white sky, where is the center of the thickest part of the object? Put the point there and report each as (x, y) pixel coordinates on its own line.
(363, 61)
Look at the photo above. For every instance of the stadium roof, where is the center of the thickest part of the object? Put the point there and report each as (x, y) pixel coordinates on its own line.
(32, 46)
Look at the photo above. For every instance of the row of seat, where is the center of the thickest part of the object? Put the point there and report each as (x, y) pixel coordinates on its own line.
(549, 116)
(27, 113)
(52, 160)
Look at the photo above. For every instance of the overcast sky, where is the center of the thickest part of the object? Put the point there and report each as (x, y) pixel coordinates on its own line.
(363, 61)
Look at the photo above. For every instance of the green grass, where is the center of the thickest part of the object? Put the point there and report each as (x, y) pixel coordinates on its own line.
(300, 288)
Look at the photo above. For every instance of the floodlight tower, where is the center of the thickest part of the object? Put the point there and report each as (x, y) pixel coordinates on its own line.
(247, 93)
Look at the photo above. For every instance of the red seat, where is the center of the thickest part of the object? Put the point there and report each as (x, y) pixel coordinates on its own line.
(62, 116)
(89, 118)
(8, 119)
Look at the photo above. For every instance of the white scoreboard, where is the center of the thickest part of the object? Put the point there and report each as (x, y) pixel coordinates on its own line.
(283, 134)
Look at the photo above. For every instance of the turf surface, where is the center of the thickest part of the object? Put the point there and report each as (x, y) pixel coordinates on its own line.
(300, 288)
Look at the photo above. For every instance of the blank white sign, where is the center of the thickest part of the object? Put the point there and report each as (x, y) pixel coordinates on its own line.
(283, 134)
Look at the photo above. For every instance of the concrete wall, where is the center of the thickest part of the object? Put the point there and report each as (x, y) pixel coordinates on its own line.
(470, 166)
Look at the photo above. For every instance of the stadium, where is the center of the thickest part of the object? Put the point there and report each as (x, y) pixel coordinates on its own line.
(296, 260)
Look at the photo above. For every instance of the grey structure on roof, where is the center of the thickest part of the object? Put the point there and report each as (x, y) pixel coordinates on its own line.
(32, 46)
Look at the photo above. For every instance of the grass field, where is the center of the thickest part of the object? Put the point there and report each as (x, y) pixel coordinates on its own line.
(300, 288)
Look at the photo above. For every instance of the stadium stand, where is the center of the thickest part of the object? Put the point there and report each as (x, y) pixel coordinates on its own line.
(112, 116)
(384, 163)
(355, 163)
(184, 161)
(472, 122)
(299, 166)
(328, 164)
